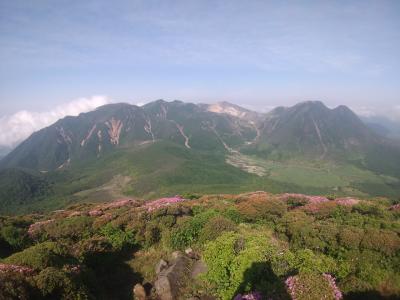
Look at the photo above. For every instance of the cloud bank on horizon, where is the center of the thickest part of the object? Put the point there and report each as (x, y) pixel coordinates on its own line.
(17, 127)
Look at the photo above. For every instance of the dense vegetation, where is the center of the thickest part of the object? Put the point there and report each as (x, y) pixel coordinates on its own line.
(277, 246)
(164, 148)
(165, 168)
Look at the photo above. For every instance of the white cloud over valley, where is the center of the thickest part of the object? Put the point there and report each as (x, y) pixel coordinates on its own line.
(17, 127)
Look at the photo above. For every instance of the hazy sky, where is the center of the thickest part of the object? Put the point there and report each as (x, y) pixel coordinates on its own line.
(254, 53)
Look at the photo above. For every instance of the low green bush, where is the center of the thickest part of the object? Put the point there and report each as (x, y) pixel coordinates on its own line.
(118, 238)
(215, 227)
(43, 255)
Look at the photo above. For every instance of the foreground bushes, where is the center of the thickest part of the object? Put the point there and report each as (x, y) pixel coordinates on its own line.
(43, 255)
(250, 244)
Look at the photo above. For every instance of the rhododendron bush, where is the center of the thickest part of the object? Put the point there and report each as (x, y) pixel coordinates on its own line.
(245, 247)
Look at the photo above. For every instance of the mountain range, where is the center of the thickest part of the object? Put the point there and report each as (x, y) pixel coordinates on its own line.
(163, 148)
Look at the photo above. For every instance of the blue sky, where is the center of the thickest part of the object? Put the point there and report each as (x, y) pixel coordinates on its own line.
(254, 53)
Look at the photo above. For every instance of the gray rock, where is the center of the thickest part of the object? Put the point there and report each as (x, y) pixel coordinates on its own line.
(171, 279)
(139, 292)
(162, 264)
(199, 267)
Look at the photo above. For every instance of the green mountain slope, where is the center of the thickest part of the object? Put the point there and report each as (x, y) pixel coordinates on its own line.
(164, 148)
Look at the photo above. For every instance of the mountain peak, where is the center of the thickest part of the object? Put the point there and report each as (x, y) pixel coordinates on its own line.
(312, 104)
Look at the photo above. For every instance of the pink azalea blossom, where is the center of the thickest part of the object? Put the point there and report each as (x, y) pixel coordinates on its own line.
(120, 203)
(332, 283)
(347, 201)
(249, 296)
(96, 213)
(293, 285)
(14, 268)
(156, 204)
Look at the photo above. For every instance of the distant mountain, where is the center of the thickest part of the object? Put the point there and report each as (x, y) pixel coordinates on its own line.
(383, 126)
(233, 110)
(164, 148)
(4, 150)
(91, 135)
(314, 130)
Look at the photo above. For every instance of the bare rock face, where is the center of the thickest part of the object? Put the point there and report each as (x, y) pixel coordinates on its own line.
(139, 292)
(162, 264)
(172, 278)
(199, 267)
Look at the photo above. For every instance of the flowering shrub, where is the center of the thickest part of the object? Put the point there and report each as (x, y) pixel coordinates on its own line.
(311, 286)
(15, 268)
(156, 204)
(249, 296)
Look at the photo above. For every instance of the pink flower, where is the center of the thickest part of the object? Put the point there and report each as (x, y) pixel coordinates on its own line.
(249, 296)
(96, 213)
(14, 268)
(156, 204)
(347, 201)
(395, 207)
(120, 203)
(332, 283)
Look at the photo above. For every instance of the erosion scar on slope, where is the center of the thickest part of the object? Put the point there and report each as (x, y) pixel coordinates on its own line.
(180, 128)
(320, 139)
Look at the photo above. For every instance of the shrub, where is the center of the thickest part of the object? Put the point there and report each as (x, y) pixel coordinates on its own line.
(58, 284)
(311, 286)
(187, 233)
(72, 228)
(191, 196)
(14, 285)
(234, 269)
(293, 202)
(118, 238)
(16, 237)
(40, 256)
(215, 227)
(385, 241)
(260, 208)
(350, 237)
(232, 214)
(306, 261)
(152, 235)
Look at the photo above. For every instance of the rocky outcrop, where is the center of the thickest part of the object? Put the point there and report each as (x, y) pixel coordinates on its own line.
(172, 278)
(114, 130)
(139, 292)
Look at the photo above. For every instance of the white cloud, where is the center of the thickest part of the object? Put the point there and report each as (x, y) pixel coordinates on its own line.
(390, 112)
(17, 127)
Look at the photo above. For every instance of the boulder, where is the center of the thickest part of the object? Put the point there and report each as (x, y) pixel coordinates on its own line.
(162, 264)
(139, 292)
(199, 267)
(171, 279)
